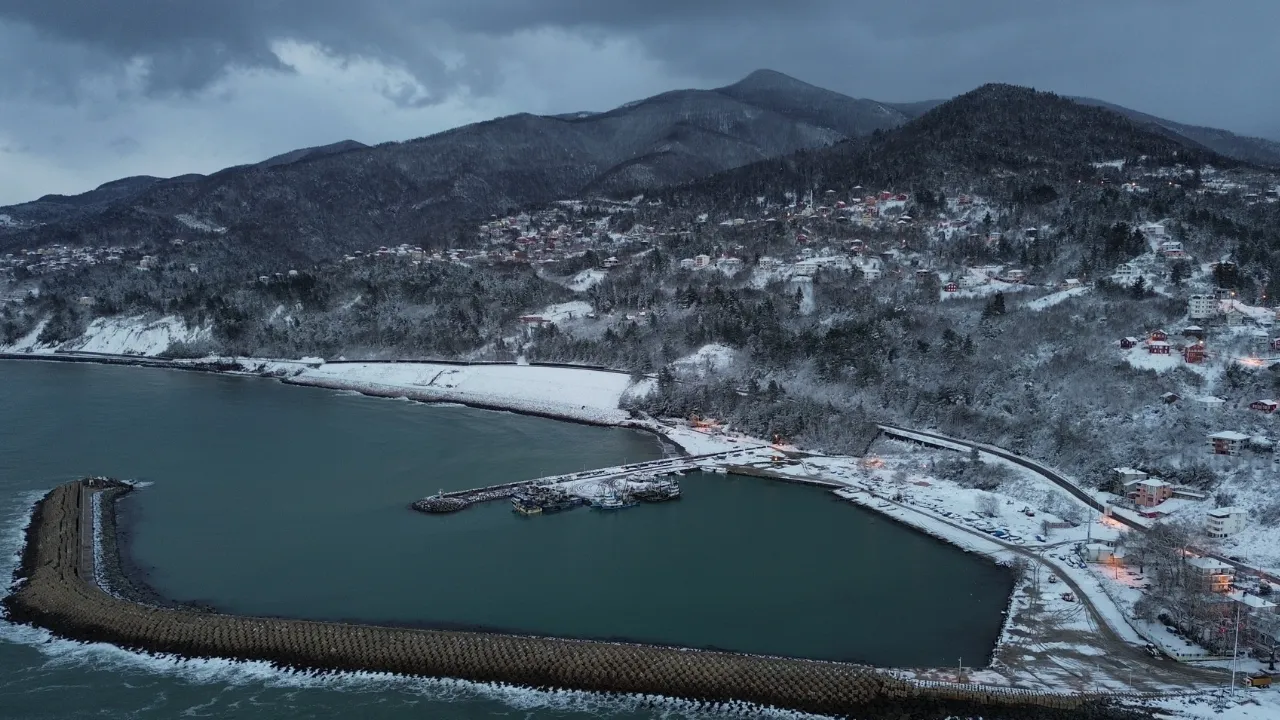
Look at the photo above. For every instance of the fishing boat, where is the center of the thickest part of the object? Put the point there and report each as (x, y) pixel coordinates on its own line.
(615, 495)
(615, 502)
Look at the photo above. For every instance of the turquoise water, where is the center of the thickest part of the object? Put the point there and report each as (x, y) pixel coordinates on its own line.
(288, 501)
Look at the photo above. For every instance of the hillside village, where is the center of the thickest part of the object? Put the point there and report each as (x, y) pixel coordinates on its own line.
(1120, 331)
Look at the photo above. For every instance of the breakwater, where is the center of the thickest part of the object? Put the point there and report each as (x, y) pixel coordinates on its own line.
(58, 588)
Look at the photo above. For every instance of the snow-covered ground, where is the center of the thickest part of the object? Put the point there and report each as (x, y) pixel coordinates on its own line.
(135, 336)
(1052, 299)
(1143, 359)
(570, 393)
(560, 312)
(707, 359)
(196, 223)
(586, 279)
(117, 336)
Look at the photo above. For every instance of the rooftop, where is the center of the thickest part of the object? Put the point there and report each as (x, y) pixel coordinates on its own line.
(1230, 435)
(1209, 564)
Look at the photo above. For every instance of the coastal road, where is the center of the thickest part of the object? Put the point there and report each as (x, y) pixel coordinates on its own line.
(1123, 657)
(1066, 484)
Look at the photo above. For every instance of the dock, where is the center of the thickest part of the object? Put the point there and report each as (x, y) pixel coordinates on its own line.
(561, 492)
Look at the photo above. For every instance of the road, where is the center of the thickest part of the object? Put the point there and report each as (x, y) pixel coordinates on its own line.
(1122, 655)
(1061, 481)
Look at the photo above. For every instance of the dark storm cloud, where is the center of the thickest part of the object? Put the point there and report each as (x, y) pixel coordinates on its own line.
(1189, 60)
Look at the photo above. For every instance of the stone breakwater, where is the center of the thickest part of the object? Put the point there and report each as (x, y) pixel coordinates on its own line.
(56, 588)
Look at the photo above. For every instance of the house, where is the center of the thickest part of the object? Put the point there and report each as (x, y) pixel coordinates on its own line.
(1172, 249)
(1122, 476)
(1215, 575)
(534, 320)
(951, 287)
(1227, 442)
(1125, 274)
(1202, 307)
(1103, 553)
(1159, 336)
(688, 264)
(969, 281)
(1170, 398)
(1224, 522)
(729, 264)
(1158, 347)
(870, 267)
(1194, 353)
(1127, 343)
(1266, 406)
(1193, 331)
(1275, 343)
(85, 301)
(1150, 492)
(701, 261)
(610, 262)
(1235, 318)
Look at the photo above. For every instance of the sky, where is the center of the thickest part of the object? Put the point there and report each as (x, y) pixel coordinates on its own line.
(94, 91)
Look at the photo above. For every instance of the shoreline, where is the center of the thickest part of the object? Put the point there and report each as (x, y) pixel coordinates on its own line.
(242, 367)
(54, 589)
(135, 577)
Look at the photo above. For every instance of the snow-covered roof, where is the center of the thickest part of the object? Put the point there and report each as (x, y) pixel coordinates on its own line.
(1208, 564)
(1229, 435)
(1226, 512)
(1250, 600)
(1129, 471)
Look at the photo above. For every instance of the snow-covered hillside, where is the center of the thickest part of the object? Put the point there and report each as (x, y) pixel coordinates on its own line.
(117, 336)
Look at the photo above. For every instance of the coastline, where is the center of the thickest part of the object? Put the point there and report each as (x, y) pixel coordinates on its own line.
(287, 372)
(54, 589)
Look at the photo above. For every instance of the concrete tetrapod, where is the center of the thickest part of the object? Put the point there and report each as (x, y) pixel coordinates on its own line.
(55, 590)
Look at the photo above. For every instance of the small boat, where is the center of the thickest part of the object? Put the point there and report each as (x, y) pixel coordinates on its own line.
(523, 506)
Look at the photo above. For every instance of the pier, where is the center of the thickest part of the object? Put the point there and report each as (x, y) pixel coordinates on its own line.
(587, 484)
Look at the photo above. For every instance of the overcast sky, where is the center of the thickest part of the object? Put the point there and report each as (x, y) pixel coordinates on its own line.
(92, 91)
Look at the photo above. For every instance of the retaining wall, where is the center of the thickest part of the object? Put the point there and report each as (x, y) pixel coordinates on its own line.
(55, 591)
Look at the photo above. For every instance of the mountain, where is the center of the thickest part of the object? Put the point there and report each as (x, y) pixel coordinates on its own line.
(810, 104)
(313, 152)
(993, 132)
(50, 208)
(1241, 147)
(319, 201)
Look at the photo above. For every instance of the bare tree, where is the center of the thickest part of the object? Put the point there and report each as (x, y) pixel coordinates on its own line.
(988, 505)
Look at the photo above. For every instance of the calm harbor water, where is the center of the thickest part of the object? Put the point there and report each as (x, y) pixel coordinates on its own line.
(286, 501)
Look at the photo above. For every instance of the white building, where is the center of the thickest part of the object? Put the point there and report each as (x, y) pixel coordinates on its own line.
(1226, 521)
(871, 268)
(701, 261)
(688, 264)
(1126, 274)
(729, 265)
(1202, 307)
(1228, 442)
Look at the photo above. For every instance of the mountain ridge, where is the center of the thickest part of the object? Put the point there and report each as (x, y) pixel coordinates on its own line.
(334, 198)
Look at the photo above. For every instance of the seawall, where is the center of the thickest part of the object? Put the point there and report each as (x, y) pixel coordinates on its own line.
(57, 589)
